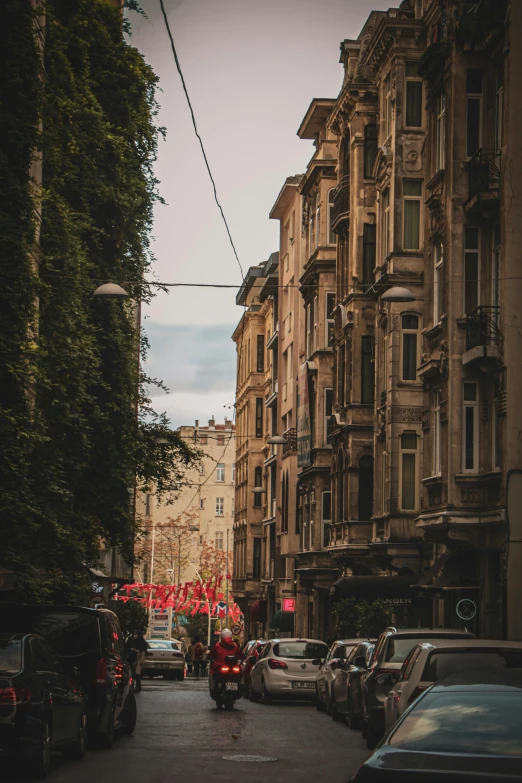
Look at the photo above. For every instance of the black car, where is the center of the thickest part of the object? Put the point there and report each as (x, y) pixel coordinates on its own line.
(90, 647)
(41, 708)
(467, 727)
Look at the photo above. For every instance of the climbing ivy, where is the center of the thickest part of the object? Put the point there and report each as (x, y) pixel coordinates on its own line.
(73, 384)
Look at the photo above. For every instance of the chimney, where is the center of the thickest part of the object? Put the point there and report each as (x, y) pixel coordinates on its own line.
(197, 423)
(212, 423)
(228, 424)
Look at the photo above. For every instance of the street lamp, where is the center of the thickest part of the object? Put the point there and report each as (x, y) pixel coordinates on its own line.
(259, 491)
(112, 291)
(277, 440)
(397, 293)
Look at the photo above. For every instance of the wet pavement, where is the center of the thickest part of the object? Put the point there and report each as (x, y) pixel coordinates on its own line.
(180, 737)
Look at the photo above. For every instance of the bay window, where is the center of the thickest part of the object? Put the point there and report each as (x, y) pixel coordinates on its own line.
(413, 96)
(440, 152)
(412, 195)
(473, 111)
(410, 328)
(330, 323)
(438, 259)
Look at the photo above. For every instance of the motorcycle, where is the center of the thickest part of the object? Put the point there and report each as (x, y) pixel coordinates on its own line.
(227, 683)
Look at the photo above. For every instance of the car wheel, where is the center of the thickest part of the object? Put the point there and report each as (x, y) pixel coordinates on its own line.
(77, 750)
(130, 715)
(106, 738)
(253, 695)
(319, 706)
(336, 715)
(266, 698)
(40, 763)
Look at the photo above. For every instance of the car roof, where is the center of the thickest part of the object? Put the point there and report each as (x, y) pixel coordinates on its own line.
(52, 608)
(471, 644)
(476, 679)
(427, 631)
(351, 641)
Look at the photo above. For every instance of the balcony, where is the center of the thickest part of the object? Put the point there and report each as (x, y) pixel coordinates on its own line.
(291, 446)
(482, 334)
(484, 179)
(341, 203)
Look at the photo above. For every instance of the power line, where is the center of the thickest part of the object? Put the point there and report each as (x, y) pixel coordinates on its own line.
(178, 66)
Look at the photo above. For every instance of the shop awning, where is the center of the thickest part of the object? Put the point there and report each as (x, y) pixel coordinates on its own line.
(283, 621)
(258, 612)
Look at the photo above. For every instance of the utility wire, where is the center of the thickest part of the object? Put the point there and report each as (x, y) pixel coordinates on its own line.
(178, 66)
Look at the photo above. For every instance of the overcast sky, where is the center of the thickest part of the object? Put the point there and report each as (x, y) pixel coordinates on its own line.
(251, 68)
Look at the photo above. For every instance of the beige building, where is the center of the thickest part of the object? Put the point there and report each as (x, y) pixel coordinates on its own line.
(202, 513)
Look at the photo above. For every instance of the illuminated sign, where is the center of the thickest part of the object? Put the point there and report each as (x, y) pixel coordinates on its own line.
(288, 604)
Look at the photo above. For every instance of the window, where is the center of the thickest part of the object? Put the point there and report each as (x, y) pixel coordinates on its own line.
(219, 540)
(499, 109)
(259, 417)
(260, 364)
(202, 469)
(409, 471)
(412, 213)
(220, 507)
(232, 508)
(326, 516)
(410, 326)
(311, 230)
(330, 324)
(437, 467)
(438, 260)
(233, 473)
(258, 482)
(370, 149)
(308, 330)
(148, 504)
(471, 268)
(470, 427)
(473, 111)
(220, 471)
(366, 488)
(317, 219)
(328, 410)
(383, 482)
(342, 373)
(316, 323)
(413, 96)
(387, 106)
(203, 440)
(331, 235)
(385, 232)
(256, 559)
(495, 440)
(367, 365)
(369, 241)
(220, 440)
(284, 503)
(201, 503)
(440, 152)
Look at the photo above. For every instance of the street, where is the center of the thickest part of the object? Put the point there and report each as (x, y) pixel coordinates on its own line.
(180, 735)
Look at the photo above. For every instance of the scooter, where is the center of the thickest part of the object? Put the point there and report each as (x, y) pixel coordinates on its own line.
(227, 683)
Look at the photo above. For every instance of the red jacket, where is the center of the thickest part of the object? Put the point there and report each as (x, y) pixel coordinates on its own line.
(220, 651)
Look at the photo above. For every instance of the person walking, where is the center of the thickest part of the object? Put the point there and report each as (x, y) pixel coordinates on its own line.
(189, 658)
(136, 649)
(199, 650)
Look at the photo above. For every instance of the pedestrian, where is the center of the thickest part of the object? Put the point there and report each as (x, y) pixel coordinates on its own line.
(198, 657)
(188, 660)
(136, 649)
(204, 661)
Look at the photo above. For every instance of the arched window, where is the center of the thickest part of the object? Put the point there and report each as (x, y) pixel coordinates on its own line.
(366, 488)
(370, 150)
(258, 482)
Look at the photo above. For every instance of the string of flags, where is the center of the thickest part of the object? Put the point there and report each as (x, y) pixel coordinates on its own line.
(187, 598)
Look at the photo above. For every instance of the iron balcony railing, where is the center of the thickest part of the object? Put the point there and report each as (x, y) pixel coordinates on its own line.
(484, 172)
(291, 437)
(482, 327)
(341, 202)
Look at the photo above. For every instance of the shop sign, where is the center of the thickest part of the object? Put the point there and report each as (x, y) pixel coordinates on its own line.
(288, 605)
(398, 601)
(466, 609)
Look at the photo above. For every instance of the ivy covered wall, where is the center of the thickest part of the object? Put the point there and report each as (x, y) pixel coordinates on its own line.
(70, 384)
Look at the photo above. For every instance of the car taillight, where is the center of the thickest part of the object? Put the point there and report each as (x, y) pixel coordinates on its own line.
(224, 669)
(10, 697)
(236, 669)
(273, 663)
(101, 672)
(417, 692)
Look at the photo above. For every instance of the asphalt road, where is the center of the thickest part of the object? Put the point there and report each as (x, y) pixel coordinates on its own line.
(181, 737)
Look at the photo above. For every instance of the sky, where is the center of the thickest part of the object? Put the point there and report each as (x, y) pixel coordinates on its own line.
(251, 67)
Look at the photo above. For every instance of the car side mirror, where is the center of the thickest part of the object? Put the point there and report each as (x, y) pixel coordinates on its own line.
(336, 663)
(360, 662)
(317, 662)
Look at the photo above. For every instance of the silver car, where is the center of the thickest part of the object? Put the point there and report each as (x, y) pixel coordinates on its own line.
(287, 668)
(329, 669)
(433, 661)
(163, 658)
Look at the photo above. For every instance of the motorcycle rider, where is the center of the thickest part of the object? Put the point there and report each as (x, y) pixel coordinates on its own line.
(226, 646)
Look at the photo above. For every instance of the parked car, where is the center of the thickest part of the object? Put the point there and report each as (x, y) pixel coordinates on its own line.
(89, 644)
(287, 668)
(328, 671)
(429, 662)
(390, 652)
(465, 728)
(41, 708)
(250, 653)
(347, 686)
(163, 658)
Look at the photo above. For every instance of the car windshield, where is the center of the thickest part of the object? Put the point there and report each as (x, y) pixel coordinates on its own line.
(400, 646)
(158, 645)
(300, 650)
(10, 655)
(445, 662)
(480, 722)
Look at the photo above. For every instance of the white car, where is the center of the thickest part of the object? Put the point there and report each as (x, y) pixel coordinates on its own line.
(329, 669)
(430, 662)
(287, 668)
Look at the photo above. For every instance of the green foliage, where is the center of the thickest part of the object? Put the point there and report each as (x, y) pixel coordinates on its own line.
(364, 619)
(70, 382)
(197, 627)
(133, 616)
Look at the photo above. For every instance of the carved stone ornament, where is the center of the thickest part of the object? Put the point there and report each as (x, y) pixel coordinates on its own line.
(396, 322)
(412, 156)
(406, 415)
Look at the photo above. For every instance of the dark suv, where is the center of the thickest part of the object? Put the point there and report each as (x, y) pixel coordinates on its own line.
(388, 656)
(90, 646)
